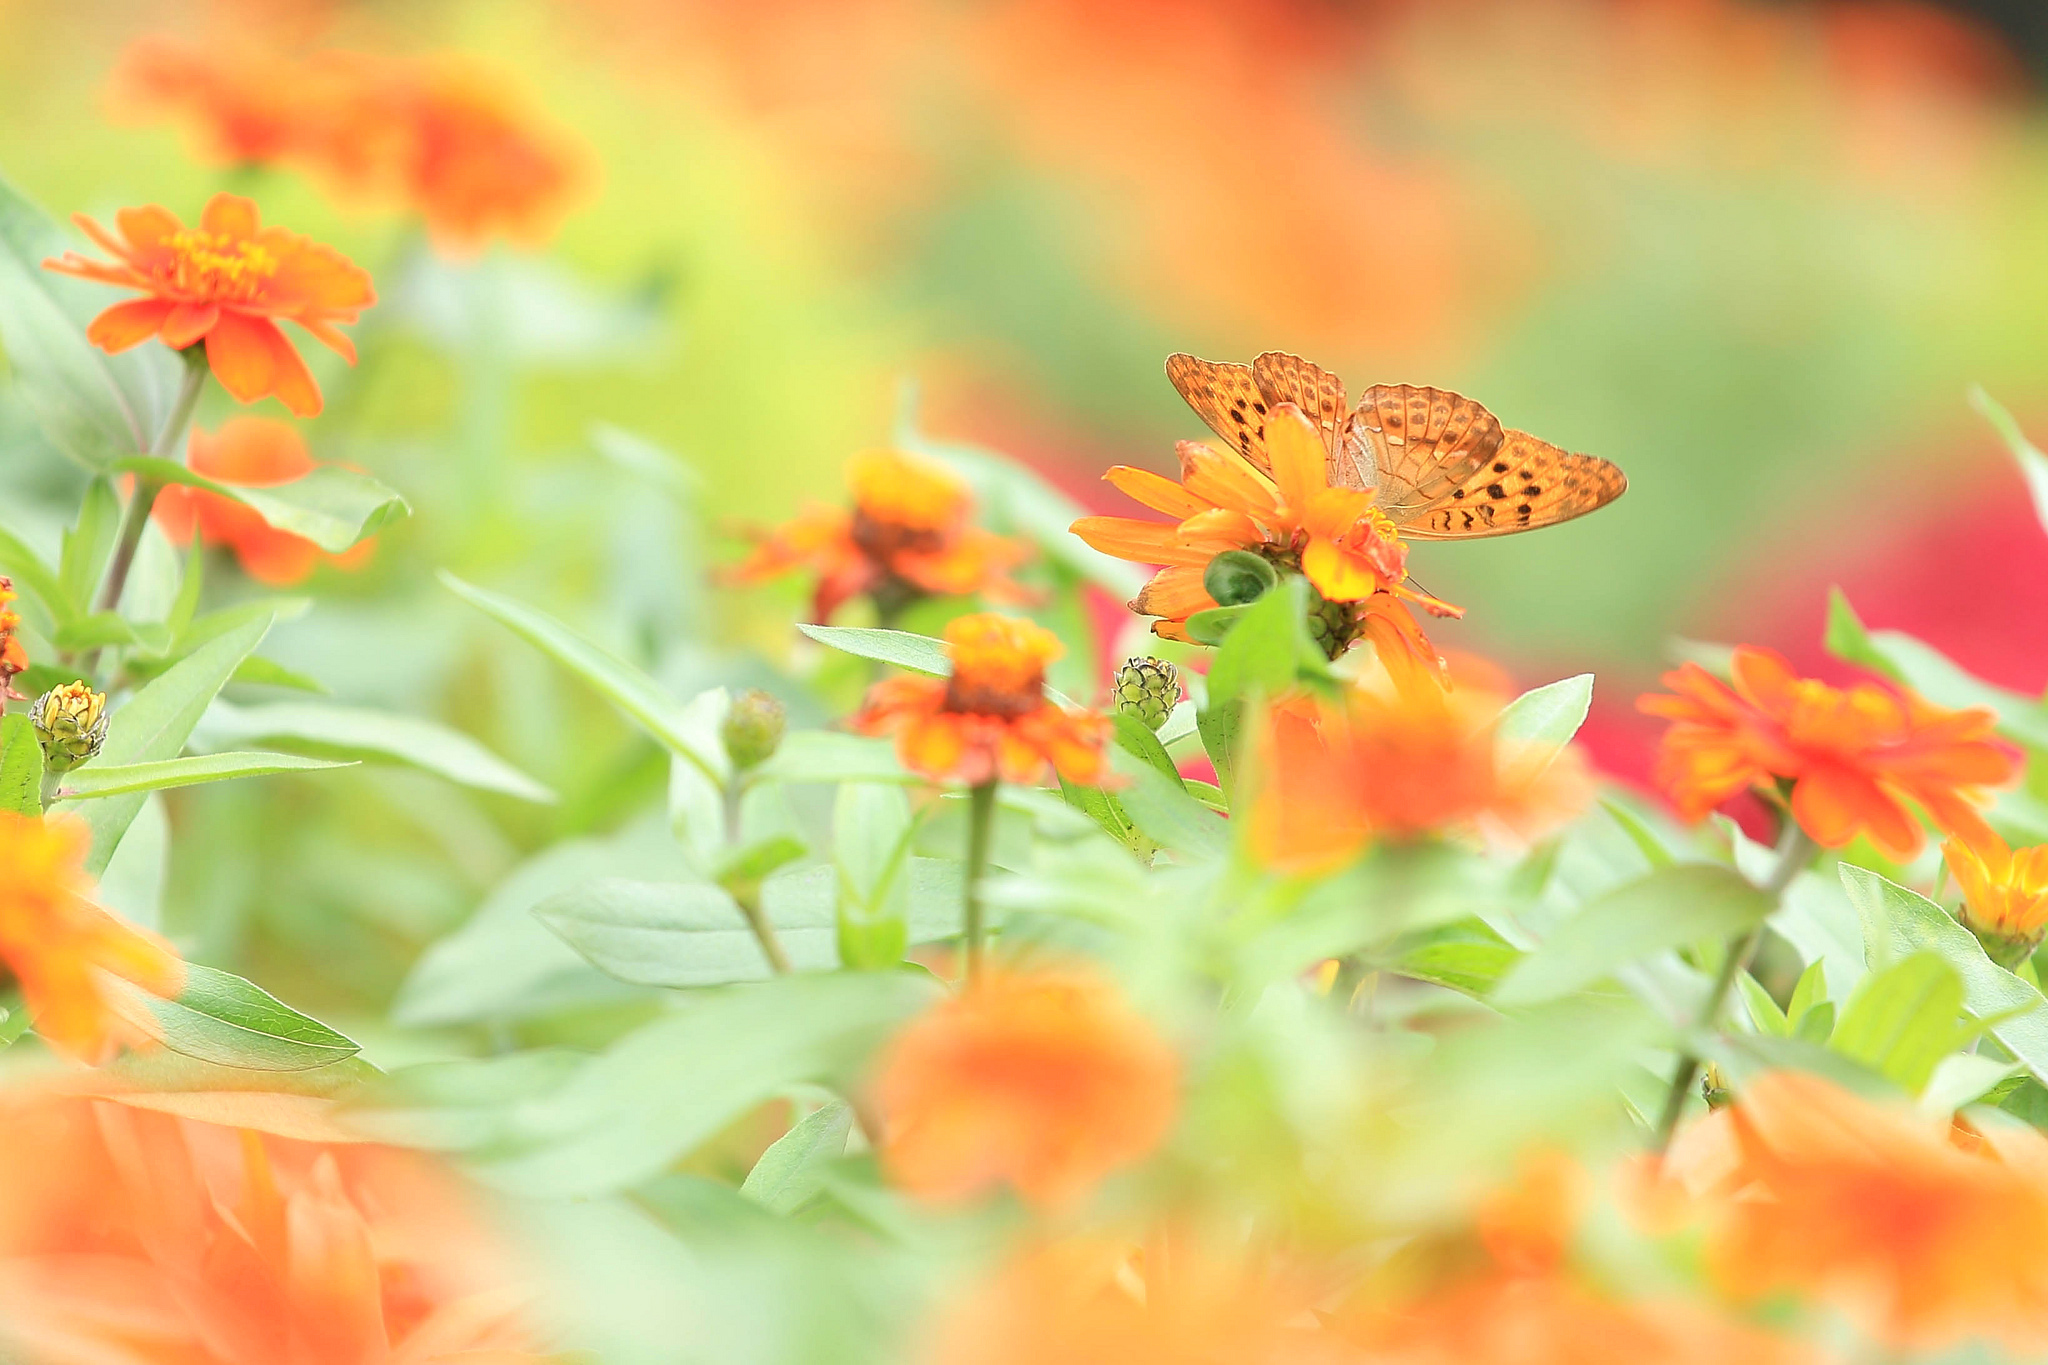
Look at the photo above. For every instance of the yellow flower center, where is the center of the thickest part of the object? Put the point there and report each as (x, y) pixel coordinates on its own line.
(212, 265)
(998, 664)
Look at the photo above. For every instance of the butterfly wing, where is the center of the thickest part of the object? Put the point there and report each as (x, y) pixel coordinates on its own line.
(1228, 399)
(1528, 483)
(1415, 446)
(1284, 378)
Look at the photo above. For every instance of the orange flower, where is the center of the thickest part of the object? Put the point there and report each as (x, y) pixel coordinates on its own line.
(1331, 776)
(57, 943)
(248, 107)
(134, 1236)
(1854, 758)
(1929, 1232)
(2005, 892)
(991, 719)
(1045, 1080)
(13, 658)
(229, 283)
(253, 452)
(908, 536)
(1293, 518)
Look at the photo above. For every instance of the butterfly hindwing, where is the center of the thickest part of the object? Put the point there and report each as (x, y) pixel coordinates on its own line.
(1528, 483)
(1415, 445)
(1284, 378)
(1228, 399)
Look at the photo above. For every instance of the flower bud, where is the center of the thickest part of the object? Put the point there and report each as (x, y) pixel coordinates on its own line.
(1147, 688)
(13, 659)
(71, 722)
(753, 728)
(1714, 1087)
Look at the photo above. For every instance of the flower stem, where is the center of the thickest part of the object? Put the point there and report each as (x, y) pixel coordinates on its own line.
(981, 817)
(146, 488)
(749, 902)
(1795, 850)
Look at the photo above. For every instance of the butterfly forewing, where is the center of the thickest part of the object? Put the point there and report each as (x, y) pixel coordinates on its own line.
(1228, 399)
(1414, 445)
(1284, 378)
(1528, 483)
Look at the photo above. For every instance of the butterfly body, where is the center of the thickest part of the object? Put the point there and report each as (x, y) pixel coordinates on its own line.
(1440, 465)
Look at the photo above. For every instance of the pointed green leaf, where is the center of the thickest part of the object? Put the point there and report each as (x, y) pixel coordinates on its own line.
(21, 766)
(792, 1170)
(1902, 1019)
(221, 1018)
(103, 779)
(362, 733)
(335, 508)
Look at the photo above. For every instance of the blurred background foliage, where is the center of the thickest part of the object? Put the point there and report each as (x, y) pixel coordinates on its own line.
(1753, 252)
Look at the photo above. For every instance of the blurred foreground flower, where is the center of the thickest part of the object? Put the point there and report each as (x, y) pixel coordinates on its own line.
(1042, 1080)
(136, 1237)
(991, 719)
(1333, 776)
(1928, 1232)
(1292, 518)
(253, 452)
(1854, 758)
(58, 944)
(227, 283)
(2005, 893)
(13, 658)
(71, 724)
(909, 536)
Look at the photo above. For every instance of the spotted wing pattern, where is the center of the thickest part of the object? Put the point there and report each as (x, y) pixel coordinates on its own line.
(1228, 399)
(1414, 445)
(1284, 378)
(1528, 483)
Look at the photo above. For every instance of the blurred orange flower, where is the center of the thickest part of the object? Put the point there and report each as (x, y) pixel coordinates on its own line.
(908, 536)
(1855, 758)
(254, 452)
(248, 108)
(991, 719)
(1042, 1079)
(1293, 518)
(133, 1236)
(1931, 1233)
(2005, 891)
(229, 282)
(1331, 776)
(57, 943)
(13, 658)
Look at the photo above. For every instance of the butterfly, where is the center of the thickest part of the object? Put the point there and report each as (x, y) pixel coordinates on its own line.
(1442, 467)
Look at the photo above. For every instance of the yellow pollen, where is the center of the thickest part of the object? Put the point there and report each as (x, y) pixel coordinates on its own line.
(214, 266)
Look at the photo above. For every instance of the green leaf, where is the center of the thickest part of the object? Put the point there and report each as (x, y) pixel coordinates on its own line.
(793, 1168)
(683, 730)
(335, 508)
(1213, 626)
(104, 628)
(872, 828)
(89, 544)
(221, 1018)
(35, 577)
(1902, 1019)
(1543, 720)
(1640, 834)
(92, 406)
(1898, 923)
(1466, 956)
(257, 671)
(1763, 1011)
(101, 779)
(2033, 464)
(1269, 651)
(829, 756)
(1135, 737)
(1817, 1025)
(21, 766)
(1672, 906)
(1164, 812)
(918, 653)
(1808, 993)
(1237, 578)
(1848, 640)
(361, 733)
(155, 723)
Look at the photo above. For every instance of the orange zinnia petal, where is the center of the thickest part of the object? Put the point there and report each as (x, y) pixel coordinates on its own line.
(1298, 456)
(128, 324)
(1155, 491)
(1145, 542)
(187, 323)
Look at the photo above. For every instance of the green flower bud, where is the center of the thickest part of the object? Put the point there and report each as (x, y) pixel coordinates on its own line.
(1333, 625)
(753, 728)
(1147, 688)
(71, 722)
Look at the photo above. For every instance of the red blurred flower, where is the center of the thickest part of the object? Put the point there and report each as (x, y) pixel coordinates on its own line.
(1044, 1080)
(58, 944)
(132, 1236)
(991, 719)
(253, 452)
(229, 283)
(13, 658)
(1854, 757)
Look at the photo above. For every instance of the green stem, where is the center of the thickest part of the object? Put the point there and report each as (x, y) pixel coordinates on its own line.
(981, 819)
(146, 489)
(764, 932)
(1795, 850)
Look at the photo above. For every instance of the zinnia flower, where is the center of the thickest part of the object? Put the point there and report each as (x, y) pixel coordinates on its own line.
(908, 536)
(1336, 537)
(1930, 1233)
(132, 1236)
(57, 943)
(254, 452)
(991, 719)
(1855, 757)
(2005, 891)
(1044, 1080)
(229, 283)
(1332, 776)
(13, 658)
(248, 108)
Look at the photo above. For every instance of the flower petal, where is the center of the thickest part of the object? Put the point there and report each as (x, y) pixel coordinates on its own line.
(187, 323)
(1298, 456)
(1143, 542)
(128, 324)
(230, 215)
(1157, 492)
